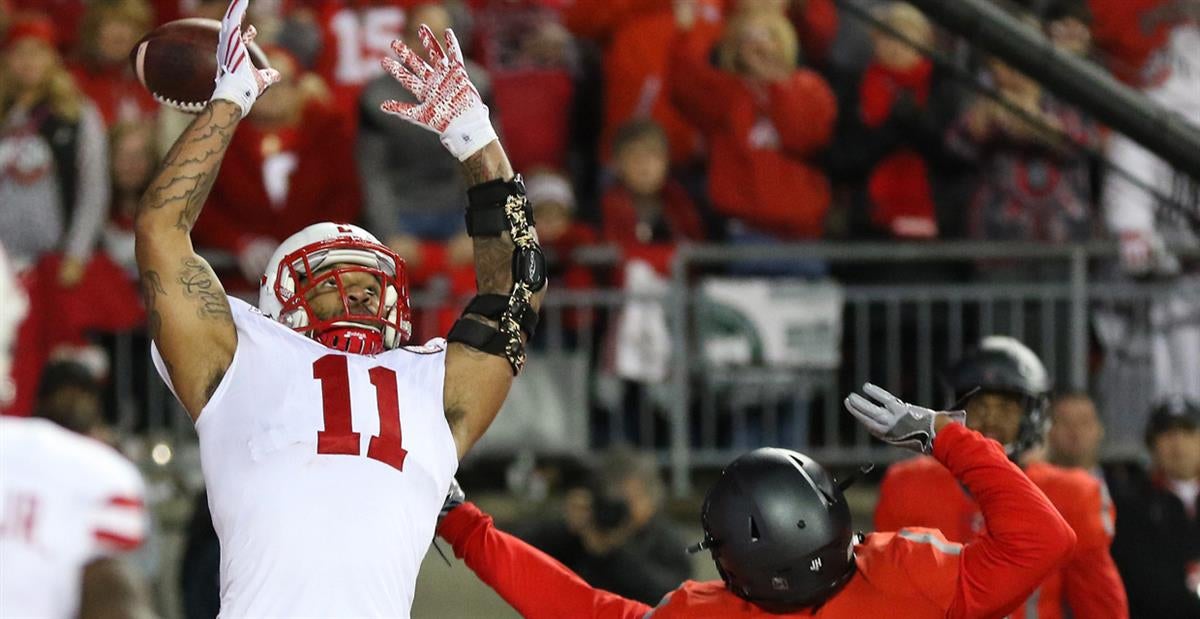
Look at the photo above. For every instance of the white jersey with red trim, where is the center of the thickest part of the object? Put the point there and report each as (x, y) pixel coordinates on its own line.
(325, 471)
(65, 500)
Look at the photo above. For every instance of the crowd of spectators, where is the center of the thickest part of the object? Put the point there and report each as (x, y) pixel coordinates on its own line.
(647, 122)
(640, 125)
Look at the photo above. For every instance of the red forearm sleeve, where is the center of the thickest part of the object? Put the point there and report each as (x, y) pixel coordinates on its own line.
(1026, 537)
(534, 584)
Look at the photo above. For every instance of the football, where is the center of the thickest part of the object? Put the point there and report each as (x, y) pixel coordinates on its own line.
(177, 62)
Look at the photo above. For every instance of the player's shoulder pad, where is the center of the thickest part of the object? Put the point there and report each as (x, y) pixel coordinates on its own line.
(892, 561)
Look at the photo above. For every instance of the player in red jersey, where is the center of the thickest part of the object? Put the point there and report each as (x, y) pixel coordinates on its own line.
(1005, 387)
(778, 528)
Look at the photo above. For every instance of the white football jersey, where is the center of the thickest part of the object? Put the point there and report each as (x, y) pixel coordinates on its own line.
(65, 500)
(325, 471)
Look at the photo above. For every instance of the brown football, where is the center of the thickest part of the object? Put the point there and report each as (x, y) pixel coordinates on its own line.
(177, 62)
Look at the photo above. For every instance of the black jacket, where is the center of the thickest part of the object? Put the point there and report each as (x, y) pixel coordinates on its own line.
(1155, 544)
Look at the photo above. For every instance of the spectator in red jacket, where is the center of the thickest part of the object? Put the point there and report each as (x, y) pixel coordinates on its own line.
(293, 165)
(636, 39)
(645, 211)
(109, 30)
(897, 82)
(765, 118)
(1134, 37)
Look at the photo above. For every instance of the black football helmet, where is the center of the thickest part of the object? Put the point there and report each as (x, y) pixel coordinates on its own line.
(779, 530)
(1002, 364)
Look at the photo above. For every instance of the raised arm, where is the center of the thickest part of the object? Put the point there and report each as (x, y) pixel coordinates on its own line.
(487, 344)
(528, 579)
(1026, 537)
(188, 313)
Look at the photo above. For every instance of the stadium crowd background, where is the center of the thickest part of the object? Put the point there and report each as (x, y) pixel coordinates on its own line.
(763, 122)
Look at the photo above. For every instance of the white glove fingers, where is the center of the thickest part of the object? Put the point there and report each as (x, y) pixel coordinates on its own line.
(865, 416)
(453, 49)
(399, 108)
(268, 77)
(436, 55)
(234, 15)
(239, 58)
(879, 394)
(410, 82)
(414, 63)
(865, 408)
(232, 50)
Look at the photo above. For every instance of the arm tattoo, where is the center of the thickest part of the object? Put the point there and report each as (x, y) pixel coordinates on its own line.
(190, 167)
(201, 285)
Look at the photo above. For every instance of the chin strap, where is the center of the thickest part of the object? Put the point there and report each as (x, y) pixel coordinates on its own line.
(496, 207)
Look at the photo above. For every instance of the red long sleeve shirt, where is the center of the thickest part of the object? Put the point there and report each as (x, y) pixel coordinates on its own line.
(921, 493)
(762, 139)
(913, 573)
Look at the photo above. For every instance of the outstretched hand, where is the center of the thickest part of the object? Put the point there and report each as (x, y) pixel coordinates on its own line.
(894, 421)
(447, 102)
(237, 78)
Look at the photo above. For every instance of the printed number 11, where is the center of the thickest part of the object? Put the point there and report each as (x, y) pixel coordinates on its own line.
(339, 437)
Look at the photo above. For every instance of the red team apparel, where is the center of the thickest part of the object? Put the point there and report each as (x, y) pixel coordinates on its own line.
(910, 574)
(65, 501)
(920, 492)
(325, 472)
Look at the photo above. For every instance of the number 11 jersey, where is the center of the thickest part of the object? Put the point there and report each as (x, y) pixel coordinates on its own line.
(325, 472)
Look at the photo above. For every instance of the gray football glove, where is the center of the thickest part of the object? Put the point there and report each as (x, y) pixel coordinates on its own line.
(895, 421)
(454, 498)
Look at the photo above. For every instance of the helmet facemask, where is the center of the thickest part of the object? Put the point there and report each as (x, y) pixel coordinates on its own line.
(352, 329)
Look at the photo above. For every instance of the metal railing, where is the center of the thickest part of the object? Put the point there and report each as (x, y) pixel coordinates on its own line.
(898, 335)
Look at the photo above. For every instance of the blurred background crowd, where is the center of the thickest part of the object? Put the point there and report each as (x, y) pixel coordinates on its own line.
(643, 128)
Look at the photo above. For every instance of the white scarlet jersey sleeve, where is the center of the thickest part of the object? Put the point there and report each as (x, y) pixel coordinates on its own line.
(325, 472)
(65, 500)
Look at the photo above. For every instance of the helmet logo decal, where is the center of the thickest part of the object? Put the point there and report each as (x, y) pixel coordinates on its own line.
(815, 566)
(779, 583)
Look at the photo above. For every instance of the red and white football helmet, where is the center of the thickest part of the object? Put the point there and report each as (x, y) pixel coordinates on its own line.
(321, 254)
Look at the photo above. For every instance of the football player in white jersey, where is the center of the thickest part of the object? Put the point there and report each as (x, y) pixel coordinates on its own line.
(326, 444)
(69, 506)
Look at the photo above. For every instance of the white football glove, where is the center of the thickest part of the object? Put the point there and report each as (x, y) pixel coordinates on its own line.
(237, 78)
(896, 421)
(447, 102)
